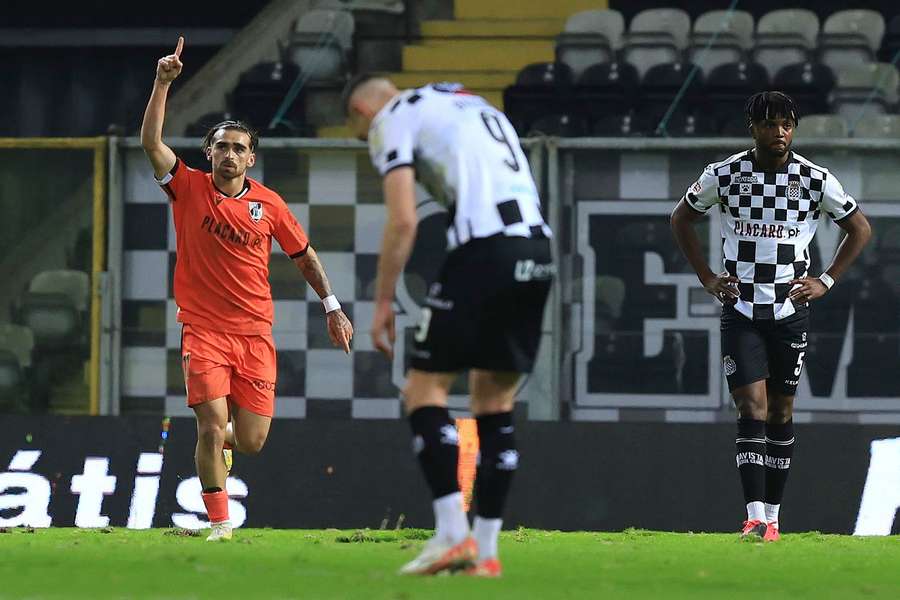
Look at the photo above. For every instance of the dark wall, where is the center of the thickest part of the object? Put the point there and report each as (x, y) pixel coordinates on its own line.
(102, 13)
(315, 474)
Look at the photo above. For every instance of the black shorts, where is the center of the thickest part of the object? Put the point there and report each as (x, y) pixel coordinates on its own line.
(486, 309)
(764, 349)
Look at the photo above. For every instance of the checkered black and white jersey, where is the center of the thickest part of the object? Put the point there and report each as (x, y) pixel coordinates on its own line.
(768, 221)
(466, 154)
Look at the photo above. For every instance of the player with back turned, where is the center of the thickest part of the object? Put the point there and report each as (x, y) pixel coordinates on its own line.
(484, 313)
(771, 200)
(224, 225)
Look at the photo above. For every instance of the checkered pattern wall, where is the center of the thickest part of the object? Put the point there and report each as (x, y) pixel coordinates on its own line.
(336, 196)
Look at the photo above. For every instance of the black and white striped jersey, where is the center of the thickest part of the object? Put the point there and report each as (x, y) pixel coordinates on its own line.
(768, 221)
(466, 154)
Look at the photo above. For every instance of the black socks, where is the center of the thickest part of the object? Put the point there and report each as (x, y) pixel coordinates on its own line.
(436, 444)
(498, 460)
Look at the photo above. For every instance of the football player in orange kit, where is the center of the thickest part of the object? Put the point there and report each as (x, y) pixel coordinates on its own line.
(224, 225)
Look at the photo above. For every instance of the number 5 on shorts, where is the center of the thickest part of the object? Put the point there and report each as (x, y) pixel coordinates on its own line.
(799, 364)
(422, 331)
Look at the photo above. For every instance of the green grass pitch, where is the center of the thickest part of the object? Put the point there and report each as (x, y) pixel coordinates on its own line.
(266, 563)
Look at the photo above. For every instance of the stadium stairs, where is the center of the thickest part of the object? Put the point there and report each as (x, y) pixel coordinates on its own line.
(485, 46)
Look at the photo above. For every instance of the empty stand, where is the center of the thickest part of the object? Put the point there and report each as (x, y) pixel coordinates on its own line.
(727, 90)
(728, 34)
(851, 38)
(262, 89)
(809, 84)
(656, 36)
(606, 90)
(878, 126)
(321, 42)
(821, 126)
(561, 125)
(590, 37)
(865, 90)
(660, 86)
(785, 37)
(540, 89)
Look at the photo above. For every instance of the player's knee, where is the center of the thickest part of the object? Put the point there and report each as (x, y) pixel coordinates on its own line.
(780, 414)
(211, 435)
(252, 444)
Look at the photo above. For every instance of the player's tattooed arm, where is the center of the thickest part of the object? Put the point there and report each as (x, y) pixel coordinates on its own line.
(340, 330)
(722, 285)
(161, 156)
(858, 231)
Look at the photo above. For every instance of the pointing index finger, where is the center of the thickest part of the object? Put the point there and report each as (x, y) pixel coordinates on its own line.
(179, 46)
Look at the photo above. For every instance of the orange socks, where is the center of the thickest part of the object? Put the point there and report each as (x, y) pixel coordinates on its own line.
(216, 505)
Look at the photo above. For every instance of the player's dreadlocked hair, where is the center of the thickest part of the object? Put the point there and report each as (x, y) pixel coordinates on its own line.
(771, 105)
(235, 125)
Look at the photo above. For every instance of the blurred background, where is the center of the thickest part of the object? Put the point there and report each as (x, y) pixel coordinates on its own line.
(620, 105)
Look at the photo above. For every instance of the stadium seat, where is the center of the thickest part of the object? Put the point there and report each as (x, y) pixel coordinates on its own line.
(321, 42)
(629, 124)
(728, 34)
(853, 97)
(75, 285)
(589, 37)
(656, 36)
(700, 124)
(261, 90)
(851, 38)
(560, 125)
(821, 127)
(878, 126)
(19, 341)
(605, 89)
(540, 89)
(55, 307)
(809, 84)
(661, 85)
(785, 37)
(10, 372)
(890, 45)
(727, 89)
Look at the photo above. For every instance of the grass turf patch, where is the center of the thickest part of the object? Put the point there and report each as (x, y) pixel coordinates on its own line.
(324, 564)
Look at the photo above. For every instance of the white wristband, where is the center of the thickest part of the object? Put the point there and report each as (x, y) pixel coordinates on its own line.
(331, 303)
(827, 279)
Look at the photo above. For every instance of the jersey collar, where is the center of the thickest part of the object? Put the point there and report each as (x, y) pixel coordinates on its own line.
(244, 190)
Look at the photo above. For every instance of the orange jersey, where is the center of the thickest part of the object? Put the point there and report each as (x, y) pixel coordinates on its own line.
(223, 248)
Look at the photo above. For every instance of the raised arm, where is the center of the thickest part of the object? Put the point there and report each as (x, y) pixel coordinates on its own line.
(340, 330)
(161, 156)
(723, 286)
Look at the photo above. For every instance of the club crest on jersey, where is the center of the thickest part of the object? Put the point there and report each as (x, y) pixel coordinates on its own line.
(256, 211)
(794, 192)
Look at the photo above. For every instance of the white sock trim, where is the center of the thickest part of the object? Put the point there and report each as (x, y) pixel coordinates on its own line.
(756, 511)
(450, 521)
(486, 532)
(772, 513)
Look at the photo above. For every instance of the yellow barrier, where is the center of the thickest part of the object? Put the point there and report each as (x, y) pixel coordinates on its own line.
(99, 146)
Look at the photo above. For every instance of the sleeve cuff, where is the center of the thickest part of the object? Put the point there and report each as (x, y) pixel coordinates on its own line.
(690, 203)
(299, 254)
(397, 166)
(849, 214)
(168, 176)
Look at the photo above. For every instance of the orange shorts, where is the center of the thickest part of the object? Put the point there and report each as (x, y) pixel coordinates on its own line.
(239, 367)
